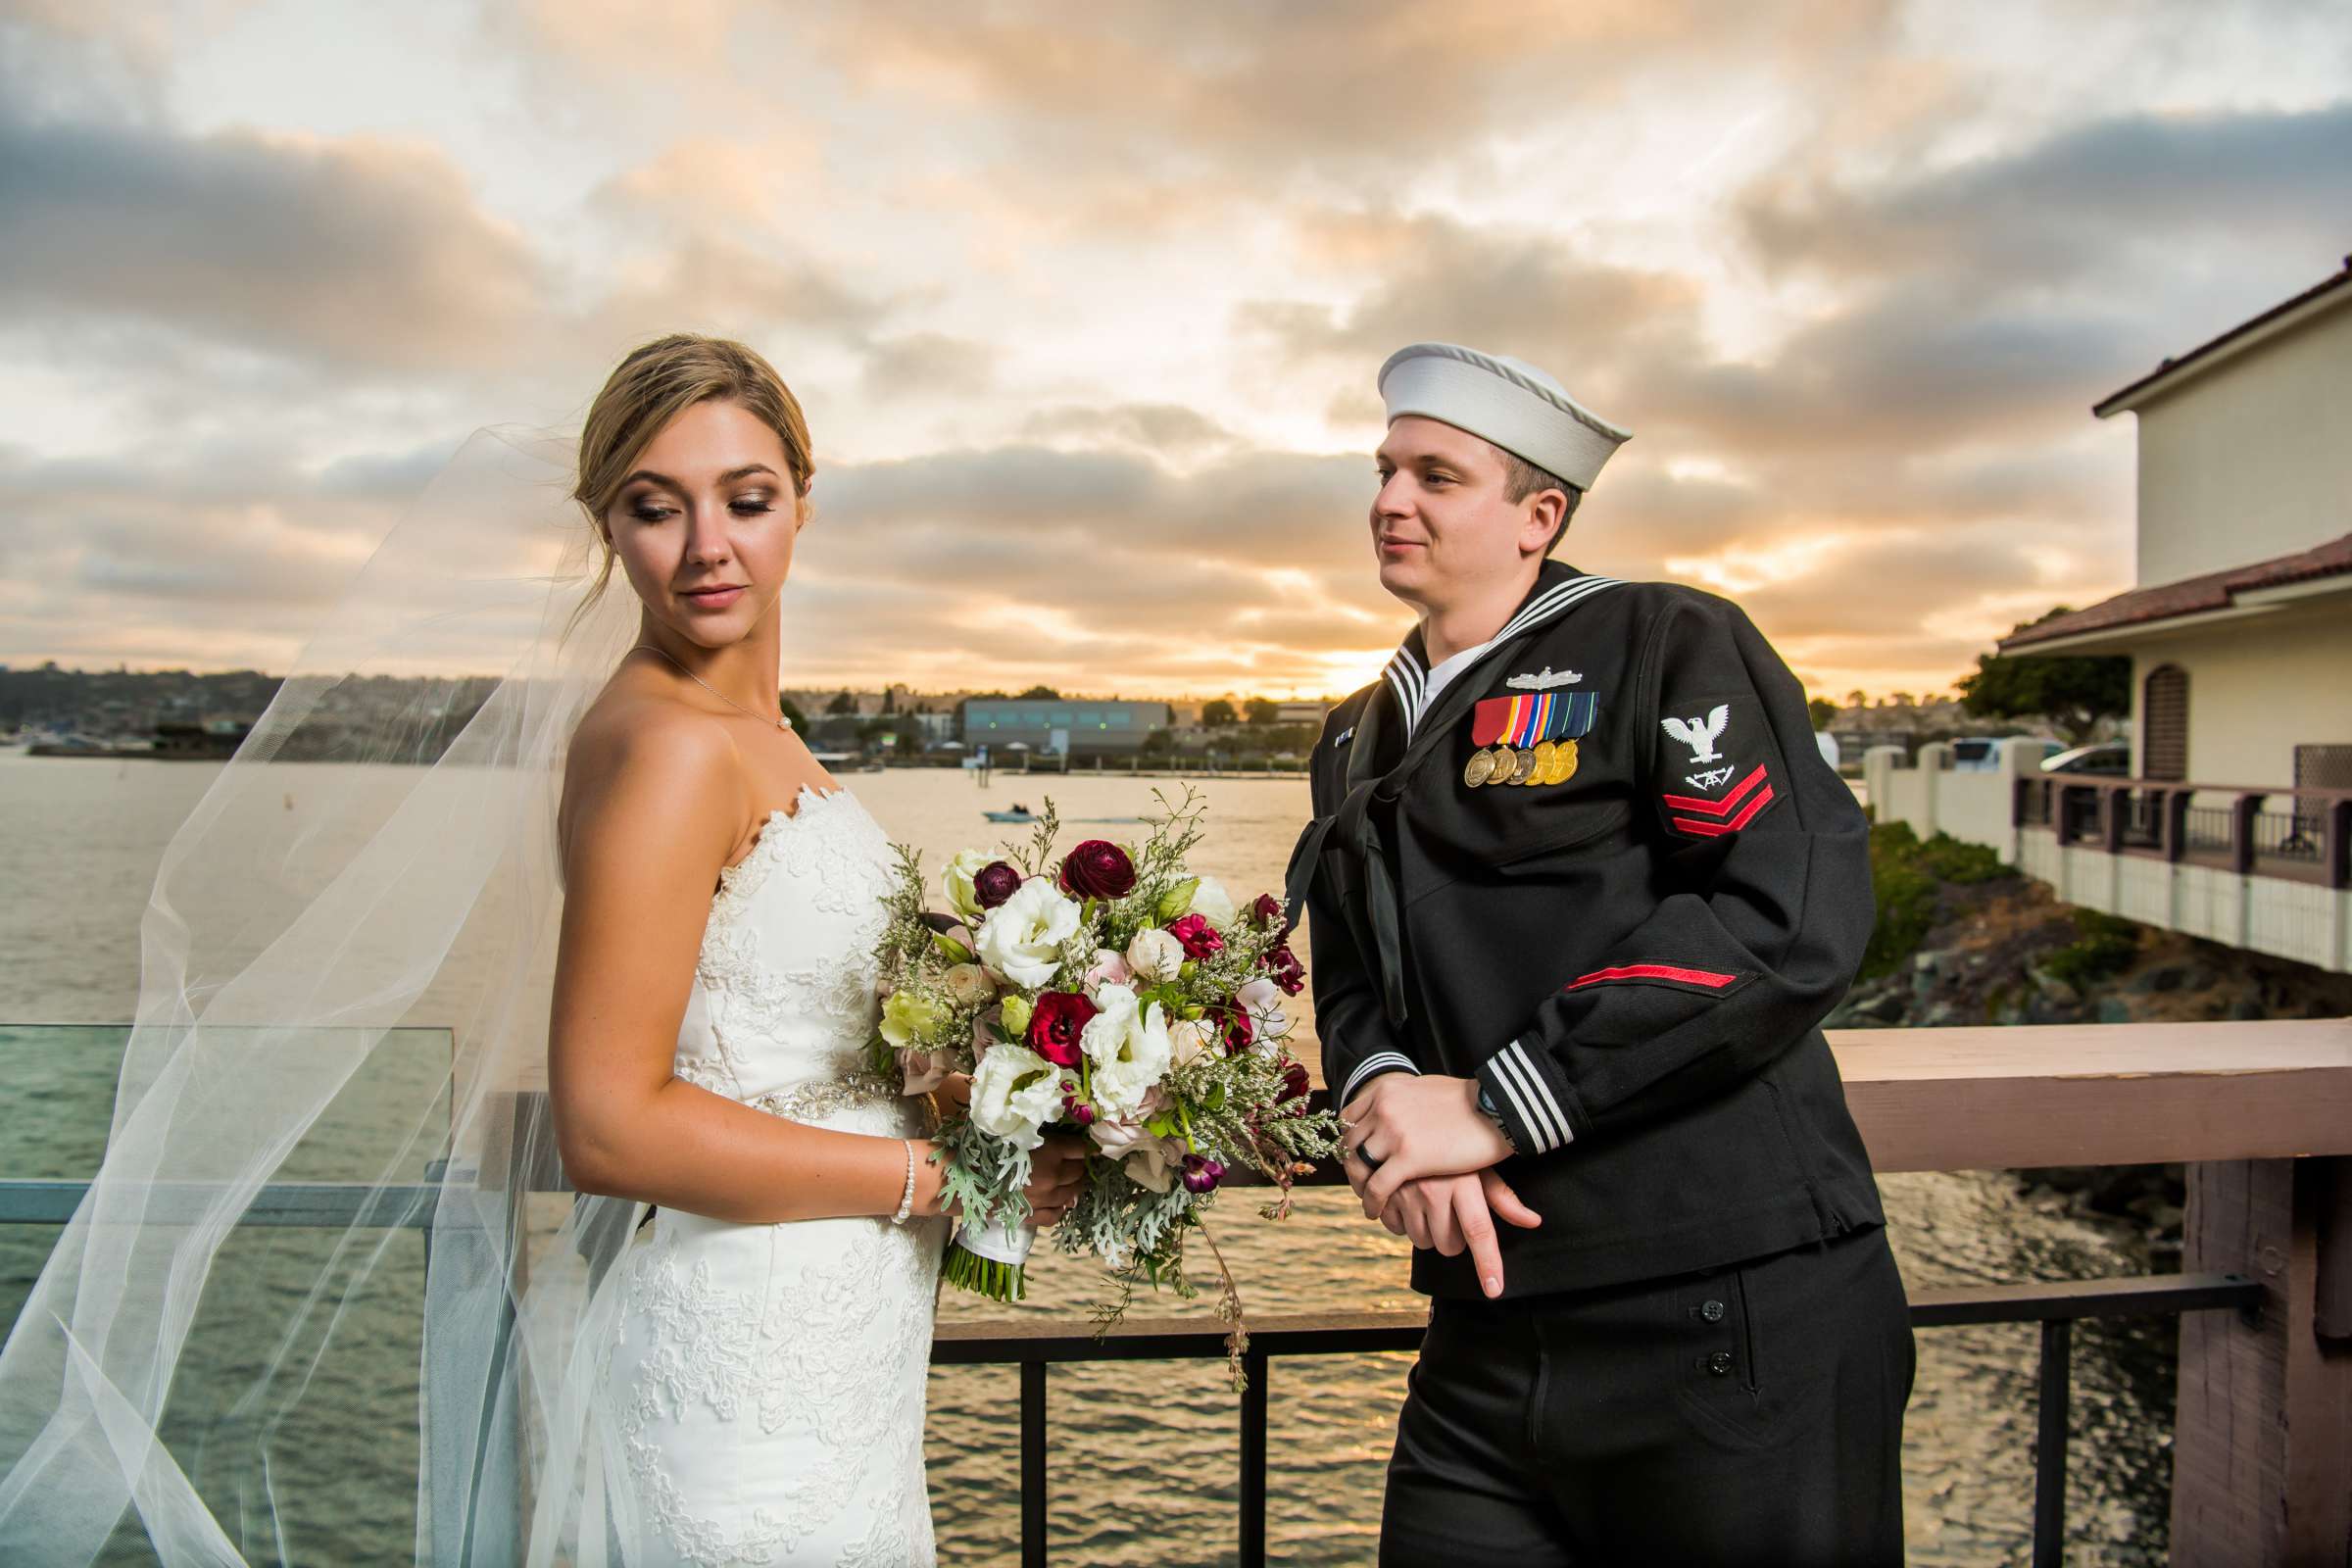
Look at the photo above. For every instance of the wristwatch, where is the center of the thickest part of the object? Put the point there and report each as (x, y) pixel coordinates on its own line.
(1486, 1108)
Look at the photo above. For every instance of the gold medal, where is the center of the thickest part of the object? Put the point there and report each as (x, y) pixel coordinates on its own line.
(1477, 770)
(1544, 756)
(1524, 768)
(1563, 763)
(1504, 760)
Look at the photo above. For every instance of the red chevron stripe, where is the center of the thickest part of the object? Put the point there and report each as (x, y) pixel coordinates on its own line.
(1693, 802)
(1652, 971)
(1716, 829)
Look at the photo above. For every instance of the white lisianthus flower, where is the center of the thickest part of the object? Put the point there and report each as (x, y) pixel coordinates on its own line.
(958, 880)
(968, 984)
(1155, 956)
(1191, 1040)
(1210, 899)
(1015, 1093)
(1021, 939)
(1129, 1047)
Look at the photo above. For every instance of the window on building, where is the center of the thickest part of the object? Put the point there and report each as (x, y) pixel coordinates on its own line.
(2164, 723)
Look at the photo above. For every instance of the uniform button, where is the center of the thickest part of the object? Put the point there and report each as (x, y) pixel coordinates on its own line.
(1720, 1364)
(1712, 1311)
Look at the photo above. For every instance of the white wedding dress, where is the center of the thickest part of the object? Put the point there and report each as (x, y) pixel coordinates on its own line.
(768, 1380)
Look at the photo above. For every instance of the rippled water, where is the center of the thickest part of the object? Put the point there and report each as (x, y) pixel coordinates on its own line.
(1142, 1461)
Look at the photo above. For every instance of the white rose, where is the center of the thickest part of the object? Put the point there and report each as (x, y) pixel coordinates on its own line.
(1021, 939)
(1193, 1039)
(1211, 899)
(1155, 956)
(1129, 1047)
(968, 984)
(1015, 1092)
(958, 880)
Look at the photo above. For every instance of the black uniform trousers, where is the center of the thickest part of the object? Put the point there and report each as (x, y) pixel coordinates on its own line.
(1747, 1414)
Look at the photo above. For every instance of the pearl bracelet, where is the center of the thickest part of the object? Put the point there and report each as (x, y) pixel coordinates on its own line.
(906, 1198)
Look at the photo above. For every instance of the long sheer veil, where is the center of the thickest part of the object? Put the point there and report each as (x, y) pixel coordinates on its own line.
(311, 1238)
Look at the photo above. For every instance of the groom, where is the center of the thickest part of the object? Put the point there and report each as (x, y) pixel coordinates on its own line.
(1581, 890)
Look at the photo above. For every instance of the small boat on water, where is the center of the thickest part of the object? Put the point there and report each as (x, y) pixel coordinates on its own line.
(1019, 813)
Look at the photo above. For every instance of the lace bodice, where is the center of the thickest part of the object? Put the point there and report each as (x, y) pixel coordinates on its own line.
(768, 1380)
(783, 1000)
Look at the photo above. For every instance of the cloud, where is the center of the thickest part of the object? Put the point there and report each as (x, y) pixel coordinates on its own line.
(362, 253)
(929, 364)
(2079, 207)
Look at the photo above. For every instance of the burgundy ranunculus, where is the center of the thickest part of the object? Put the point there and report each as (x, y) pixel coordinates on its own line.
(1097, 869)
(1240, 1029)
(996, 882)
(1055, 1023)
(1199, 938)
(1266, 910)
(1293, 1087)
(1202, 1173)
(1282, 967)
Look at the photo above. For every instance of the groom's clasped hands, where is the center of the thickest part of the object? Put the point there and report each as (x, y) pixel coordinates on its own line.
(1421, 1156)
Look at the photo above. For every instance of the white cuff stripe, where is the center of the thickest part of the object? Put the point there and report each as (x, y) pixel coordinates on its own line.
(1378, 1060)
(1506, 1073)
(1551, 1101)
(1549, 1126)
(1542, 1089)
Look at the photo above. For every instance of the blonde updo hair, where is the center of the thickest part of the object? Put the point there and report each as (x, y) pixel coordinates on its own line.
(654, 385)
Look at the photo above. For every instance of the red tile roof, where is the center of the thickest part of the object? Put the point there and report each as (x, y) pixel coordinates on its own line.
(2189, 596)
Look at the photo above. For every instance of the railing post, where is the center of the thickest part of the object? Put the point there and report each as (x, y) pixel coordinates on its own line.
(2262, 1438)
(2175, 805)
(1254, 1459)
(2113, 804)
(2242, 813)
(1033, 1464)
(2049, 1448)
(2339, 844)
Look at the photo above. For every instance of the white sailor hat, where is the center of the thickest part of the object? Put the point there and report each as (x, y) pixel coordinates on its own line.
(1506, 401)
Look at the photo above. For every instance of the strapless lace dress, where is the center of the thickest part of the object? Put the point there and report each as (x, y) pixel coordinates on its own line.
(768, 1380)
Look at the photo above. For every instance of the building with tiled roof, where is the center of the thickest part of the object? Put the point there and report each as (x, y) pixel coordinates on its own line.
(2241, 627)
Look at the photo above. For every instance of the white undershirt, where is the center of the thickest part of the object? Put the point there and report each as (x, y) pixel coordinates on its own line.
(1442, 676)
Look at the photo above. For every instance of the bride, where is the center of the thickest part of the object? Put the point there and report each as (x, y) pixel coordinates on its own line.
(615, 870)
(707, 1048)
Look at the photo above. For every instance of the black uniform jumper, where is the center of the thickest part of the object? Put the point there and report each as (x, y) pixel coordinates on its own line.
(1629, 935)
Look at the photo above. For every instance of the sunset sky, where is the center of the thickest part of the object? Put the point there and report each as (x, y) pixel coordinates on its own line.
(1085, 301)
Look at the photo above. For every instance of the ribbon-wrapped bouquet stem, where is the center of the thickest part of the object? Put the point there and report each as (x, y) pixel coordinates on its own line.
(1111, 992)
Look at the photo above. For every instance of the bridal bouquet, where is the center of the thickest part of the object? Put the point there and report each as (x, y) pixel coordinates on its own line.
(1110, 992)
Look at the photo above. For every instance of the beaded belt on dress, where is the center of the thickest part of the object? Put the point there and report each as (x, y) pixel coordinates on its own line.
(806, 1102)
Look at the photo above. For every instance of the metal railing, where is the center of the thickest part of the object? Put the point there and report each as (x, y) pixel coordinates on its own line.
(2302, 835)
(2055, 1306)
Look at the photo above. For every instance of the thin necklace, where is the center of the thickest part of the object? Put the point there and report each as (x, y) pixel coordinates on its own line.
(781, 722)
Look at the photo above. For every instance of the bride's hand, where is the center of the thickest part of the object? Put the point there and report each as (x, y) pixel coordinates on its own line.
(1056, 1168)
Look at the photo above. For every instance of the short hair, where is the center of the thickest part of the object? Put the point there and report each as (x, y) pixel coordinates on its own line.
(1522, 478)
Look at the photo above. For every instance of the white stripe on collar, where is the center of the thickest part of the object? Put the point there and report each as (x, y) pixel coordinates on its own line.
(1410, 680)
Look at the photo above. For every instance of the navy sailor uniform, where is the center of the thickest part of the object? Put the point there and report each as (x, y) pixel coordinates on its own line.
(1606, 872)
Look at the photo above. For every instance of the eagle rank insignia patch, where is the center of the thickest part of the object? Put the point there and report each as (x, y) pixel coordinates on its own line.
(1528, 740)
